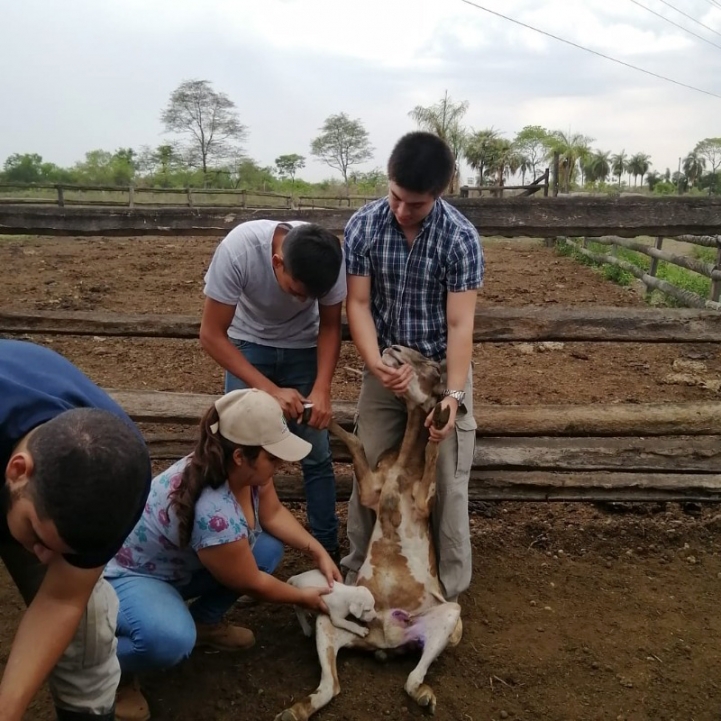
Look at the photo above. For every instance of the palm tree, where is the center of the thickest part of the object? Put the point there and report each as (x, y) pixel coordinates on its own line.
(572, 148)
(479, 151)
(638, 164)
(597, 166)
(618, 165)
(444, 120)
(693, 167)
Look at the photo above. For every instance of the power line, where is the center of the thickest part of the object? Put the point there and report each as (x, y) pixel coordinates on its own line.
(698, 22)
(594, 52)
(714, 3)
(686, 30)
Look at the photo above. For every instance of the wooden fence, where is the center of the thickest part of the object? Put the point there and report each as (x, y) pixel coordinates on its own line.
(131, 196)
(656, 253)
(497, 191)
(622, 452)
(534, 217)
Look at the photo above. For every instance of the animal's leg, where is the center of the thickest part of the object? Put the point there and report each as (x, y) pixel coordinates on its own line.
(433, 629)
(329, 640)
(302, 615)
(368, 482)
(355, 628)
(424, 491)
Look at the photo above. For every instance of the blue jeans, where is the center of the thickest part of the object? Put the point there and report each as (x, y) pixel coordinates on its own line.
(156, 628)
(297, 368)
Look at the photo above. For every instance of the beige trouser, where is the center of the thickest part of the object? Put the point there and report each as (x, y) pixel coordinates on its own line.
(86, 677)
(380, 424)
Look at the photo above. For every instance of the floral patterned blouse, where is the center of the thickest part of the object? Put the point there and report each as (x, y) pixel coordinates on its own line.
(153, 549)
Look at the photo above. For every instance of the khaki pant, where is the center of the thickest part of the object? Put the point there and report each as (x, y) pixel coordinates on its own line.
(380, 424)
(86, 677)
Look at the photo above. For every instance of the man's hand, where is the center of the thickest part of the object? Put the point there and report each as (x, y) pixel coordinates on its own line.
(395, 380)
(290, 401)
(321, 412)
(440, 435)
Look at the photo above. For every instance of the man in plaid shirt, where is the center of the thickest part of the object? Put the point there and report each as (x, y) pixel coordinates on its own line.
(414, 266)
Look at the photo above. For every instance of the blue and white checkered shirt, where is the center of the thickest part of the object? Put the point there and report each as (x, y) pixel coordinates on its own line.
(409, 285)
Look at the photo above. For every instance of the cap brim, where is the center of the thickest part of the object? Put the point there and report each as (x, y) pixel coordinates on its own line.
(292, 448)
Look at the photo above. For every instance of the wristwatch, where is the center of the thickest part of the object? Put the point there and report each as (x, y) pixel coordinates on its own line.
(458, 395)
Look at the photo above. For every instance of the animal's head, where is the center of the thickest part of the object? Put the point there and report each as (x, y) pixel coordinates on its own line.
(426, 387)
(363, 605)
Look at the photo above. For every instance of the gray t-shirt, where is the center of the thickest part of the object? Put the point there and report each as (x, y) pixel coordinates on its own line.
(241, 274)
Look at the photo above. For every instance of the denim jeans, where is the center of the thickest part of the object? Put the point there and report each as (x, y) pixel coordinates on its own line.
(156, 628)
(297, 368)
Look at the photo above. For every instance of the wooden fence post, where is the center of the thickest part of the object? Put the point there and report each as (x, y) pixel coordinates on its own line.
(653, 269)
(556, 160)
(131, 196)
(545, 182)
(189, 193)
(243, 199)
(61, 196)
(716, 284)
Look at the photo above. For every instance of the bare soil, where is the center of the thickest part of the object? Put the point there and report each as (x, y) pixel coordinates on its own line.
(576, 611)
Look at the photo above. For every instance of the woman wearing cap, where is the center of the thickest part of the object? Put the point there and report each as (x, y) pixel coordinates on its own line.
(212, 530)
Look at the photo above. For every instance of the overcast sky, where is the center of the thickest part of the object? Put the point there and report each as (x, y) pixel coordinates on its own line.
(84, 74)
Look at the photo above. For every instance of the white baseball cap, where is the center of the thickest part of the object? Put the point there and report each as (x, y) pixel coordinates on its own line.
(251, 417)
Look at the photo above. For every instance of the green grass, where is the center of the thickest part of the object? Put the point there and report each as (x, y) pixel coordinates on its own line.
(680, 277)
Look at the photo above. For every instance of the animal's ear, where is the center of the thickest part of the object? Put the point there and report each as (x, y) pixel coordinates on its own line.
(355, 608)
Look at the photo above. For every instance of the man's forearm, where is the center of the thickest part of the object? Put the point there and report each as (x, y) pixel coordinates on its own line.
(363, 332)
(329, 339)
(43, 635)
(228, 357)
(459, 355)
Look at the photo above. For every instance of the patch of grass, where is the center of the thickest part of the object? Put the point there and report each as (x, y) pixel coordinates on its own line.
(680, 277)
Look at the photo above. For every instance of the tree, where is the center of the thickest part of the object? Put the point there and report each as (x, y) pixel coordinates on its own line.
(444, 120)
(342, 143)
(289, 165)
(597, 166)
(207, 120)
(710, 150)
(480, 151)
(618, 165)
(694, 165)
(531, 143)
(638, 164)
(572, 148)
(23, 168)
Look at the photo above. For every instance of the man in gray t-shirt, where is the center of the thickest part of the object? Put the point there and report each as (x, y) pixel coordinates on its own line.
(272, 320)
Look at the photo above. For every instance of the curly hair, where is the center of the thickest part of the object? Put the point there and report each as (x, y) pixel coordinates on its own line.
(208, 467)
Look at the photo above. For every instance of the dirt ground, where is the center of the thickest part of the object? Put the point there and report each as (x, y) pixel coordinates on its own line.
(576, 612)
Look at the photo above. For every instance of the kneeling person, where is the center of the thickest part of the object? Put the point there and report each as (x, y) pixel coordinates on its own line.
(213, 529)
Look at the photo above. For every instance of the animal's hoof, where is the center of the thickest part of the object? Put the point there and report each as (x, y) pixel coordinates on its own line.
(426, 698)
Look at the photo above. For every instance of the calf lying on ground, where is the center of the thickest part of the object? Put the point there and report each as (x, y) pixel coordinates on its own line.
(400, 568)
(341, 601)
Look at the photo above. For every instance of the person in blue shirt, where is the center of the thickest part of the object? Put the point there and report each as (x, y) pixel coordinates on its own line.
(76, 475)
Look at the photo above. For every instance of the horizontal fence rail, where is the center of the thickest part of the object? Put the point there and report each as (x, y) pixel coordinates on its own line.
(507, 217)
(493, 324)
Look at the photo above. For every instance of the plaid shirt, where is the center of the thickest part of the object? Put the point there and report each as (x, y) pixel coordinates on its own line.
(409, 285)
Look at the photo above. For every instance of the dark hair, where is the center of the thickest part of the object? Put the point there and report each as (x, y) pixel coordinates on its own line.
(312, 255)
(208, 466)
(91, 473)
(422, 162)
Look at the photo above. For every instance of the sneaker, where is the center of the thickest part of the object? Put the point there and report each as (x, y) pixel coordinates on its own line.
(130, 704)
(224, 637)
